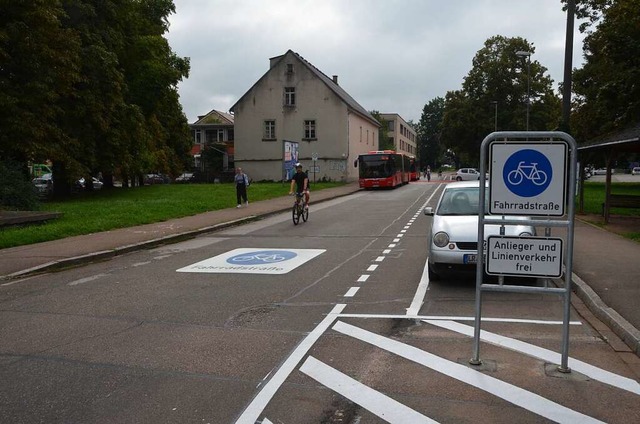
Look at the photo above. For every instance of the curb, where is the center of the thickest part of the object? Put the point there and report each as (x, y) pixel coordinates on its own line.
(620, 326)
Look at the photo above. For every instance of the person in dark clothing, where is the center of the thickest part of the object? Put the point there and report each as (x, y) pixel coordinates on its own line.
(301, 181)
(242, 182)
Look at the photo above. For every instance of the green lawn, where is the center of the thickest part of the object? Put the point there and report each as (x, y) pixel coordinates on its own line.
(594, 194)
(119, 208)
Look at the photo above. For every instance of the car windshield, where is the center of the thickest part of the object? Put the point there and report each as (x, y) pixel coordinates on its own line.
(461, 201)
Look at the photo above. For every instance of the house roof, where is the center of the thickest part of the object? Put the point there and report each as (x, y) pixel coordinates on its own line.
(214, 117)
(339, 91)
(625, 140)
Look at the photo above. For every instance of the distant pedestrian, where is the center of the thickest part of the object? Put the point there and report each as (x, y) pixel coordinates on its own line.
(242, 182)
(428, 173)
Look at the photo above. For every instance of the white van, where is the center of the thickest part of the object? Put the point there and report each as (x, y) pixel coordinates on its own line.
(635, 171)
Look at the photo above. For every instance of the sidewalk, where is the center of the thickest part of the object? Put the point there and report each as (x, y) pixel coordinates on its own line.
(606, 266)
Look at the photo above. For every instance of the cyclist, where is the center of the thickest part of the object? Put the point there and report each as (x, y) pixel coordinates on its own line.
(301, 181)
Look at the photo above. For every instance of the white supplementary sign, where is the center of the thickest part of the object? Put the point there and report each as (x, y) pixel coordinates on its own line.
(255, 261)
(529, 256)
(528, 179)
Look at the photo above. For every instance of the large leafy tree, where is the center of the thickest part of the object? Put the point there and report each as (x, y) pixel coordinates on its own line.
(429, 129)
(498, 75)
(607, 88)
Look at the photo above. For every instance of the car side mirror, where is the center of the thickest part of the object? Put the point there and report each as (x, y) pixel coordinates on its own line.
(428, 211)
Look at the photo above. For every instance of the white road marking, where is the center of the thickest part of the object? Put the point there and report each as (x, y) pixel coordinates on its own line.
(516, 395)
(157, 258)
(380, 259)
(266, 421)
(372, 267)
(421, 292)
(87, 279)
(137, 264)
(373, 401)
(386, 251)
(18, 281)
(400, 235)
(257, 405)
(396, 240)
(406, 227)
(402, 232)
(392, 245)
(352, 292)
(459, 318)
(363, 278)
(544, 354)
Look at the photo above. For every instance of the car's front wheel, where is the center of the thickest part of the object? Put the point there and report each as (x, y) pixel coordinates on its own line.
(458, 178)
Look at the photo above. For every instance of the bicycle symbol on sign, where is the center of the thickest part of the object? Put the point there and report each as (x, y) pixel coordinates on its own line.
(528, 172)
(259, 257)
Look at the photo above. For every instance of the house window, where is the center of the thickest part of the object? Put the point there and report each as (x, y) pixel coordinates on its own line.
(220, 135)
(269, 130)
(289, 96)
(289, 68)
(390, 125)
(310, 130)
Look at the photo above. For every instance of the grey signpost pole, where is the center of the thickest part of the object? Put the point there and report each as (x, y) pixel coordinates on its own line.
(528, 141)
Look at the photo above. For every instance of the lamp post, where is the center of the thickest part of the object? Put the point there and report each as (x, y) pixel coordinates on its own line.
(495, 103)
(528, 56)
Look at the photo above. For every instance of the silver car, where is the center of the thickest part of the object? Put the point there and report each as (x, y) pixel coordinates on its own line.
(453, 238)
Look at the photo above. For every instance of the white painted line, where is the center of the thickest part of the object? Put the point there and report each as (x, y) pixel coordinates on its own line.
(406, 227)
(400, 235)
(395, 240)
(257, 405)
(544, 354)
(402, 232)
(391, 246)
(516, 395)
(380, 259)
(352, 292)
(386, 251)
(373, 401)
(363, 278)
(266, 421)
(452, 318)
(18, 281)
(421, 292)
(87, 279)
(372, 267)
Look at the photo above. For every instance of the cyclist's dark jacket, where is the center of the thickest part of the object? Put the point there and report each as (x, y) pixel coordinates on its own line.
(299, 178)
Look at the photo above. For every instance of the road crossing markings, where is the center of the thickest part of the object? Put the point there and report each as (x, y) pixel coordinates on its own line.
(373, 401)
(421, 292)
(352, 292)
(257, 405)
(400, 235)
(392, 245)
(459, 318)
(544, 354)
(372, 267)
(386, 251)
(363, 278)
(513, 394)
(380, 259)
(396, 240)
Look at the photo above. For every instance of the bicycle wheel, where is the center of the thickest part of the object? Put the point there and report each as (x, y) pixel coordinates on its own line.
(514, 177)
(539, 178)
(305, 214)
(296, 214)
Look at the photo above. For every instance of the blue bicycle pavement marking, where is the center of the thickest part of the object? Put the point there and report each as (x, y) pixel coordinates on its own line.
(527, 173)
(261, 257)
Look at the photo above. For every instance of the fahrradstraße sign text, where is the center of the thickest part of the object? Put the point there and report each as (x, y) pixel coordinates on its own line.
(527, 179)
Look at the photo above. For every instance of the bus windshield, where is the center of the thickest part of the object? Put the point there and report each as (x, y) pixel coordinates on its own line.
(376, 166)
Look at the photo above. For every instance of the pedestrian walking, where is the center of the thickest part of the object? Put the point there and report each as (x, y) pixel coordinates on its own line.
(242, 182)
(428, 173)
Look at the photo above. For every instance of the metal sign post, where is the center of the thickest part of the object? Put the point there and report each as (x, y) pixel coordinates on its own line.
(528, 177)
(314, 157)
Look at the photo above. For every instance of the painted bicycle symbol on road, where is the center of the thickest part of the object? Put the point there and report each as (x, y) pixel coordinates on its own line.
(262, 257)
(527, 172)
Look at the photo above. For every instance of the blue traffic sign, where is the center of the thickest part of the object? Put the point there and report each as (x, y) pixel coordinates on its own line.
(527, 173)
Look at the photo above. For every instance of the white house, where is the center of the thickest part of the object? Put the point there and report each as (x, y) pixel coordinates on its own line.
(294, 101)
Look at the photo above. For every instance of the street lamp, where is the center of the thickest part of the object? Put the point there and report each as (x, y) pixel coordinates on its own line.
(528, 56)
(495, 103)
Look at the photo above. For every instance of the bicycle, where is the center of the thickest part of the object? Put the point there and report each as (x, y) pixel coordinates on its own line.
(528, 172)
(299, 210)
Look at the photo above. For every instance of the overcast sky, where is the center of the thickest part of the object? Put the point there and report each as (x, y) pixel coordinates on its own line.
(393, 56)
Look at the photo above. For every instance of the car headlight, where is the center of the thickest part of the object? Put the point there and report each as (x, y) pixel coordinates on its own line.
(441, 239)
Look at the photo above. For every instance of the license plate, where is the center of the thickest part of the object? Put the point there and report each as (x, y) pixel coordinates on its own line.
(470, 259)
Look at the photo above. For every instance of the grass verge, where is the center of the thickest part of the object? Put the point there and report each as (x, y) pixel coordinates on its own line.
(120, 208)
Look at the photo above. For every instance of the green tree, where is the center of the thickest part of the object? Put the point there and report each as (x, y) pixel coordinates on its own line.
(606, 87)
(429, 129)
(384, 141)
(498, 75)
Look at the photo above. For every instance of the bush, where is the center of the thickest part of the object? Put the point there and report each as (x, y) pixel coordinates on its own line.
(16, 190)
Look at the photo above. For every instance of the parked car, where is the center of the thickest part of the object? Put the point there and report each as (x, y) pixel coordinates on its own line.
(467, 174)
(635, 171)
(602, 171)
(43, 185)
(186, 177)
(97, 184)
(155, 179)
(453, 237)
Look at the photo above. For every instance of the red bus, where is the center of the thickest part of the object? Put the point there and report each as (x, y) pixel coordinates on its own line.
(414, 169)
(383, 168)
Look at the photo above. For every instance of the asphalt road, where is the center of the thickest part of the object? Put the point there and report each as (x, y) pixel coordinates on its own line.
(354, 333)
